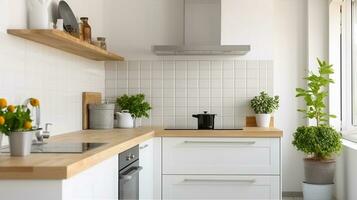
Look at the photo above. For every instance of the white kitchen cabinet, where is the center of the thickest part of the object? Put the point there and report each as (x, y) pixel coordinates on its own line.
(220, 187)
(221, 156)
(221, 168)
(97, 182)
(146, 160)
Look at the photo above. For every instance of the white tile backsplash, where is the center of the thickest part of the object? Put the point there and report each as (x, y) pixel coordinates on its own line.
(179, 88)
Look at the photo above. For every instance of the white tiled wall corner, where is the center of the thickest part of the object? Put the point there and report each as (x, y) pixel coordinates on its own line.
(176, 89)
(57, 78)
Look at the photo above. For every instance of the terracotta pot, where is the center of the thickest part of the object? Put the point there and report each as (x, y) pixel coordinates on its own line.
(319, 171)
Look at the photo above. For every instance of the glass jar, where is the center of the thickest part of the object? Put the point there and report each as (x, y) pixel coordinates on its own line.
(102, 42)
(86, 30)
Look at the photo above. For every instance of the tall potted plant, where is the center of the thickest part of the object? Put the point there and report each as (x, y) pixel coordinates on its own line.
(135, 104)
(319, 142)
(263, 105)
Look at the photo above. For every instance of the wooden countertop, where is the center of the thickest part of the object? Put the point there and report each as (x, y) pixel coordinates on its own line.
(251, 132)
(63, 166)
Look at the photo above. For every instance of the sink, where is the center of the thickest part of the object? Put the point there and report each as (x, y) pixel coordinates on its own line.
(60, 147)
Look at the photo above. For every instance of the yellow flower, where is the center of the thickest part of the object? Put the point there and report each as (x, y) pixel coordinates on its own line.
(3, 103)
(11, 108)
(2, 120)
(34, 102)
(27, 125)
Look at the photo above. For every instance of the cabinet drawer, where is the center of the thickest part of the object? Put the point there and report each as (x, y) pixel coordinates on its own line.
(221, 156)
(220, 187)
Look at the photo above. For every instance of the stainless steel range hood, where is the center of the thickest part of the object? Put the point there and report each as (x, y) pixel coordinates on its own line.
(202, 32)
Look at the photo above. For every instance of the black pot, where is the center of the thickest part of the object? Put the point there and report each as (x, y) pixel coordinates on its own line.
(205, 121)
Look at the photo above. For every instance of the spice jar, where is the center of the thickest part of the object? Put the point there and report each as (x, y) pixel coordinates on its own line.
(86, 30)
(102, 42)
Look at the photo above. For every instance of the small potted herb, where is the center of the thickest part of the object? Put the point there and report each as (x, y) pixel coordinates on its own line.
(16, 122)
(135, 104)
(319, 142)
(263, 105)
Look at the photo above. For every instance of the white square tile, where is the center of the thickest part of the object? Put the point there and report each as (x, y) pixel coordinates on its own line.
(169, 84)
(181, 122)
(204, 83)
(253, 64)
(134, 83)
(205, 102)
(146, 92)
(228, 111)
(157, 121)
(122, 84)
(157, 83)
(145, 83)
(216, 93)
(204, 92)
(181, 83)
(192, 92)
(169, 93)
(134, 66)
(157, 93)
(216, 66)
(252, 83)
(157, 66)
(228, 93)
(169, 102)
(181, 93)
(216, 102)
(192, 83)
(192, 110)
(180, 102)
(134, 91)
(110, 84)
(228, 83)
(157, 74)
(180, 111)
(169, 111)
(169, 122)
(252, 73)
(192, 102)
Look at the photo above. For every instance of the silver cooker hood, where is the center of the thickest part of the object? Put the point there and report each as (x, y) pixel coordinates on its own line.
(202, 32)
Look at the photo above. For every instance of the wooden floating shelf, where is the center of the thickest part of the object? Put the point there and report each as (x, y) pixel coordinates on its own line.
(65, 42)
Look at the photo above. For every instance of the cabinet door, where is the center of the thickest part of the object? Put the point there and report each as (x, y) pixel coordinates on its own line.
(146, 179)
(220, 187)
(221, 156)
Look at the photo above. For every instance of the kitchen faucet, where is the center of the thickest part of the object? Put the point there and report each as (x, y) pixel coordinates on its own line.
(40, 135)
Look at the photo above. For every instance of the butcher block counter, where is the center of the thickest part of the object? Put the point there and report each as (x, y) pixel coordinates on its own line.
(49, 166)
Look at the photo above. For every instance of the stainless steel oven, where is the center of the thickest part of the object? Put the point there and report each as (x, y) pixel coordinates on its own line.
(129, 170)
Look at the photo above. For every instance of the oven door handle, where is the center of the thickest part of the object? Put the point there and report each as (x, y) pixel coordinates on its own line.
(133, 171)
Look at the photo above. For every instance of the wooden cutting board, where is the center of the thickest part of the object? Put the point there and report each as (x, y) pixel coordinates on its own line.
(89, 98)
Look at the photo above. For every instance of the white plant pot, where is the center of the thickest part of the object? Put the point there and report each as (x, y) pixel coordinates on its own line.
(263, 120)
(317, 192)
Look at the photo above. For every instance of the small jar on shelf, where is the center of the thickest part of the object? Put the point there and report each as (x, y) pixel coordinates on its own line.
(86, 30)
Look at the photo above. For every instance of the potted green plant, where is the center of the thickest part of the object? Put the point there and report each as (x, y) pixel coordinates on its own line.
(135, 105)
(263, 105)
(16, 122)
(319, 142)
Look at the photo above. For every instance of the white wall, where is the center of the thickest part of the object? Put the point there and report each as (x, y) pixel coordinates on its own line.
(290, 57)
(57, 78)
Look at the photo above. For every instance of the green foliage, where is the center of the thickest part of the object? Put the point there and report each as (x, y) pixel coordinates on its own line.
(264, 104)
(316, 93)
(15, 121)
(319, 141)
(136, 105)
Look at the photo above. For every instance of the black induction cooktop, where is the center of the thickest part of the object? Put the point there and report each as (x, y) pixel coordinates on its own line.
(60, 147)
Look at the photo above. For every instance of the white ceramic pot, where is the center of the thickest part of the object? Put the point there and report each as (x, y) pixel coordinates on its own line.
(318, 192)
(263, 120)
(20, 143)
(124, 119)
